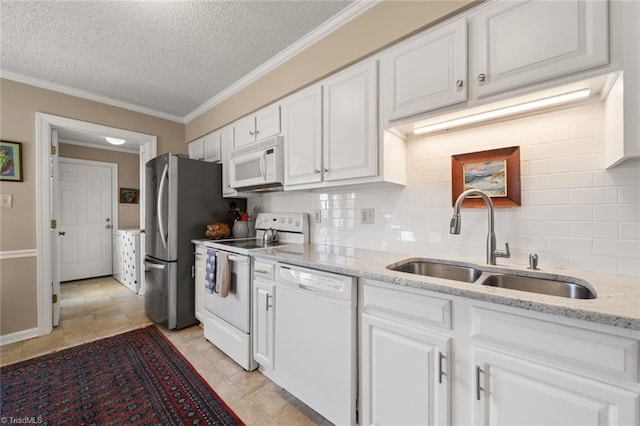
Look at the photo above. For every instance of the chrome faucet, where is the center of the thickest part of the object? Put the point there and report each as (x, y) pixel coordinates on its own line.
(454, 226)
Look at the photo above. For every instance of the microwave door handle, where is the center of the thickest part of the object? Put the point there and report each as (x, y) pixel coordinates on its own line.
(263, 170)
(160, 198)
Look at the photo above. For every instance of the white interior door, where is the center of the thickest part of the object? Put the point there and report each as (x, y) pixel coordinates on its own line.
(85, 224)
(55, 237)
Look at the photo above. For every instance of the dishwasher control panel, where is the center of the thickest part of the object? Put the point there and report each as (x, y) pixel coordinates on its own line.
(322, 283)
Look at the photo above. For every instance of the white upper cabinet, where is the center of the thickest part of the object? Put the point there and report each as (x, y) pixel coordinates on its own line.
(350, 126)
(302, 131)
(518, 43)
(255, 127)
(211, 147)
(196, 149)
(206, 148)
(426, 72)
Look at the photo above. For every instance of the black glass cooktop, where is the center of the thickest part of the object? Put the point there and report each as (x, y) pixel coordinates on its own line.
(248, 244)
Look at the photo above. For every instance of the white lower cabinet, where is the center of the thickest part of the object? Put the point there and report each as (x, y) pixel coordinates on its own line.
(404, 376)
(264, 321)
(200, 275)
(512, 391)
(433, 359)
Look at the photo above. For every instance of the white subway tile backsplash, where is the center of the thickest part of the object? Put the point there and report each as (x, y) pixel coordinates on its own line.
(608, 195)
(575, 214)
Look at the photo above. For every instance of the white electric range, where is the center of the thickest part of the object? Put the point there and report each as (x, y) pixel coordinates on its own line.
(227, 322)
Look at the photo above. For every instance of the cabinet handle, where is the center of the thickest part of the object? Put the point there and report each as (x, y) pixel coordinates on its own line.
(316, 171)
(440, 372)
(193, 271)
(478, 387)
(62, 233)
(325, 170)
(268, 305)
(251, 133)
(257, 131)
(482, 77)
(459, 83)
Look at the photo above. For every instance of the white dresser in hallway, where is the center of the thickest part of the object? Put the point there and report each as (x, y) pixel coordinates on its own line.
(126, 259)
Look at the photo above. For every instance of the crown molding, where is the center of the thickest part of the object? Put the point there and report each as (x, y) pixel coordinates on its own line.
(348, 14)
(43, 84)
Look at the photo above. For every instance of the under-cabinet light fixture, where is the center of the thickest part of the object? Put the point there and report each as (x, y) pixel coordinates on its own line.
(114, 141)
(503, 112)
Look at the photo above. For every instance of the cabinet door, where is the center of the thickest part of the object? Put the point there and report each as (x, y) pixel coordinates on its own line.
(118, 249)
(426, 73)
(226, 145)
(211, 148)
(263, 323)
(350, 138)
(200, 269)
(244, 131)
(404, 373)
(514, 391)
(267, 122)
(196, 149)
(302, 131)
(525, 42)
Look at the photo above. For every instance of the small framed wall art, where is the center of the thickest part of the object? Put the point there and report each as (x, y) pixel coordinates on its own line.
(497, 172)
(11, 161)
(129, 196)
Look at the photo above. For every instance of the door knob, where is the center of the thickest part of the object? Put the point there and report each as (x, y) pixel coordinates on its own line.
(62, 233)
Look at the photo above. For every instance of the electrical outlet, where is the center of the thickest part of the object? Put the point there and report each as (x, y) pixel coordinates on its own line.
(6, 200)
(367, 216)
(317, 216)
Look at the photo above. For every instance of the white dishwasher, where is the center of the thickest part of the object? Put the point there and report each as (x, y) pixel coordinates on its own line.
(315, 340)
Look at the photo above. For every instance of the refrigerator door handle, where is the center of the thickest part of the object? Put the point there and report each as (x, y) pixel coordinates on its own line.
(163, 181)
(153, 265)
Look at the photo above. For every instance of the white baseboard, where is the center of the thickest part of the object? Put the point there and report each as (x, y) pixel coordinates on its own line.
(18, 336)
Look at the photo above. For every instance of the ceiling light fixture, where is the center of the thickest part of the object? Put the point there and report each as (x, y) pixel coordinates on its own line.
(115, 141)
(503, 112)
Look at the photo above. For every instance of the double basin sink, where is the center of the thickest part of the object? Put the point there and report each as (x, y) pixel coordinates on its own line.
(567, 287)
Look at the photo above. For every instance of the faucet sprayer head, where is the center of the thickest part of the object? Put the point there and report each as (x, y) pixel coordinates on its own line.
(454, 225)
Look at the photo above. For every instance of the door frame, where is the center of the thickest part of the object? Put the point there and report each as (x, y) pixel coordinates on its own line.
(114, 189)
(44, 276)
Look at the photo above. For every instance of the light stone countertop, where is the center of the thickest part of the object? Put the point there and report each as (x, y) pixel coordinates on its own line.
(617, 303)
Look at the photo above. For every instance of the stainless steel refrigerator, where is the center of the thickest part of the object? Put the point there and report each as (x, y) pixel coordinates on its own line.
(183, 196)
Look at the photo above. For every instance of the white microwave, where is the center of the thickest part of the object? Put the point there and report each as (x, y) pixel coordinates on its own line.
(259, 167)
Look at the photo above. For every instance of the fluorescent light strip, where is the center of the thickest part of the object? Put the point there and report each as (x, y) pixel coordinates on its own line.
(503, 112)
(115, 141)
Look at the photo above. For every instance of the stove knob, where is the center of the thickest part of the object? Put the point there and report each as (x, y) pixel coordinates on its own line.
(282, 220)
(297, 223)
(290, 220)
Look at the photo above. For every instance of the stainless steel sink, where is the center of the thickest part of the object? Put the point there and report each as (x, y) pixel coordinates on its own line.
(438, 270)
(542, 286)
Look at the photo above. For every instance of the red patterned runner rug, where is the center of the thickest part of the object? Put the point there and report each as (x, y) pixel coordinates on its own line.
(138, 377)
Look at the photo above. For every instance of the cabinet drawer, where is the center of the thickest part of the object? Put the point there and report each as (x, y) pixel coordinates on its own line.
(410, 305)
(264, 270)
(564, 346)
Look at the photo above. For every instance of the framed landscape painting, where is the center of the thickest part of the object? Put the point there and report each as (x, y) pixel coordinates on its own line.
(496, 172)
(11, 161)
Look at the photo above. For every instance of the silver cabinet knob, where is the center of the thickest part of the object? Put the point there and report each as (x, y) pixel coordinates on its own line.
(107, 227)
(325, 170)
(459, 83)
(482, 77)
(257, 131)
(316, 171)
(251, 133)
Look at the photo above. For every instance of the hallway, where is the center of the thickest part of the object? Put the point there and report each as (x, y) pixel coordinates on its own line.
(89, 310)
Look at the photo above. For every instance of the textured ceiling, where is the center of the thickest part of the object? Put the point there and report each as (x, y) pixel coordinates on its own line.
(165, 56)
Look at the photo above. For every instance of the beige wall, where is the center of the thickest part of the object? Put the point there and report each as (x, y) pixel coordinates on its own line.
(379, 27)
(128, 175)
(18, 106)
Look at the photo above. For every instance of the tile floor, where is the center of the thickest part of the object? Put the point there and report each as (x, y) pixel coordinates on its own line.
(101, 307)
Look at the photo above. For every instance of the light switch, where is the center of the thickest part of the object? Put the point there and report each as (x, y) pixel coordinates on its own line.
(6, 200)
(124, 209)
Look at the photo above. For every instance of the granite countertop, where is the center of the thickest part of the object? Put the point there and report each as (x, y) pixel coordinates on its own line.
(617, 302)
